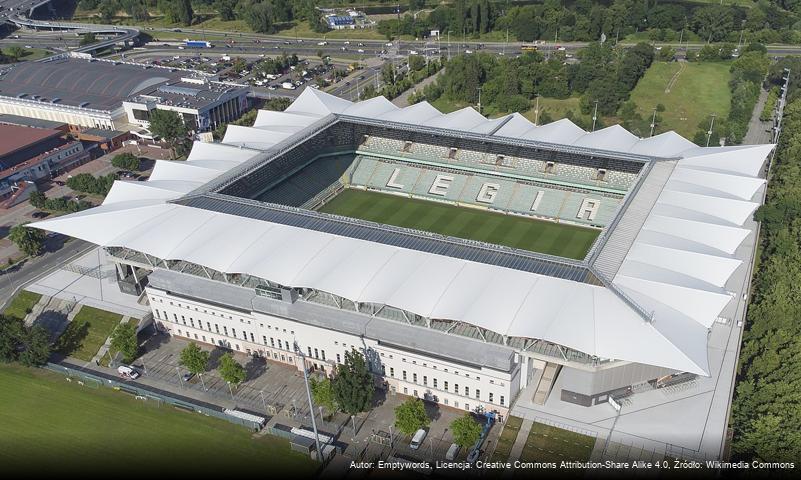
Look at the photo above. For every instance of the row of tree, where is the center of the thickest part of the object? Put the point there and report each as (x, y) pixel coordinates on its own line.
(605, 75)
(58, 204)
(766, 414)
(585, 20)
(88, 183)
(19, 343)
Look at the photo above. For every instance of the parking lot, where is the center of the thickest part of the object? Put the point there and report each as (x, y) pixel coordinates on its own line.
(275, 389)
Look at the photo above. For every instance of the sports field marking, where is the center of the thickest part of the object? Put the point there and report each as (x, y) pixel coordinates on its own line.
(513, 231)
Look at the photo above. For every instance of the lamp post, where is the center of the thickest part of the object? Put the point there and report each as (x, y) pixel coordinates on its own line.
(309, 397)
(595, 116)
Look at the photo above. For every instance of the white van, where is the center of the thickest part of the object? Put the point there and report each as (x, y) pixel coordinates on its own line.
(127, 371)
(453, 451)
(417, 439)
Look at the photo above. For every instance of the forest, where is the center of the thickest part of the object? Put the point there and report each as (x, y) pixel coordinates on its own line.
(766, 415)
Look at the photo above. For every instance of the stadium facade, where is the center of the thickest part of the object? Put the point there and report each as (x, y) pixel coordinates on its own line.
(231, 249)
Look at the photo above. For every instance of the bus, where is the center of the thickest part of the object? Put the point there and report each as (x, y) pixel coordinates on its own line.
(197, 44)
(528, 48)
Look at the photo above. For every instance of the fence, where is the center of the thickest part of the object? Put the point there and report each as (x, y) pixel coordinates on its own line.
(95, 379)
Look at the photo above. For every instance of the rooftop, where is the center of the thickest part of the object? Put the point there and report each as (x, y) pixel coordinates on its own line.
(187, 94)
(14, 137)
(78, 82)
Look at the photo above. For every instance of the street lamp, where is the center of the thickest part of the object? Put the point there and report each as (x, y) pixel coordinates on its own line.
(300, 353)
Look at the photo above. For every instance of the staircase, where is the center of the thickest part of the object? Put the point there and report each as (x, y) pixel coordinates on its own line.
(545, 385)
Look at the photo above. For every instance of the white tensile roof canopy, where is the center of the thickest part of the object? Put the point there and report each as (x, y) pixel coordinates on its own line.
(676, 268)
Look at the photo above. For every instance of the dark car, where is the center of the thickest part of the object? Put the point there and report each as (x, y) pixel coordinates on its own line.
(39, 214)
(187, 376)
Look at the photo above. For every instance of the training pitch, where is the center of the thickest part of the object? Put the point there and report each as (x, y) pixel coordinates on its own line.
(528, 234)
(49, 425)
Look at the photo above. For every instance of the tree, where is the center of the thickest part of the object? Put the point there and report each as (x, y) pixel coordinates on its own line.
(169, 126)
(125, 341)
(37, 347)
(12, 332)
(16, 52)
(37, 199)
(353, 384)
(29, 240)
(411, 416)
(88, 38)
(323, 393)
(194, 359)
(466, 430)
(231, 371)
(126, 161)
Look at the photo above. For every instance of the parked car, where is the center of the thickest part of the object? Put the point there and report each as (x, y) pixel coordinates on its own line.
(128, 371)
(417, 439)
(187, 376)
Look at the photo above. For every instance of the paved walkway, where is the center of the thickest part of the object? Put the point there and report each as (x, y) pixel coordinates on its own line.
(402, 100)
(106, 345)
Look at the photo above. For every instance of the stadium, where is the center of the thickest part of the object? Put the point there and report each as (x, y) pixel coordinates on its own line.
(475, 262)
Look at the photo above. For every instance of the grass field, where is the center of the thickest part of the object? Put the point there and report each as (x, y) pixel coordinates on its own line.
(534, 235)
(550, 444)
(699, 90)
(87, 332)
(21, 304)
(507, 439)
(48, 425)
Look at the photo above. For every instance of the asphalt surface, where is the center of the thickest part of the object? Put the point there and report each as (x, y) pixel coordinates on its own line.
(58, 253)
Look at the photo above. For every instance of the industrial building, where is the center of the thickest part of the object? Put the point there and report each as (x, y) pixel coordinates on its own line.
(86, 92)
(29, 154)
(231, 248)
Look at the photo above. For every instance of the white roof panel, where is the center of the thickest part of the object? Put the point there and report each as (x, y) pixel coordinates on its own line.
(561, 131)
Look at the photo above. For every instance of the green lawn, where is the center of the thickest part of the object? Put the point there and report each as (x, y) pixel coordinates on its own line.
(48, 425)
(699, 90)
(30, 53)
(528, 234)
(22, 304)
(87, 332)
(550, 444)
(507, 439)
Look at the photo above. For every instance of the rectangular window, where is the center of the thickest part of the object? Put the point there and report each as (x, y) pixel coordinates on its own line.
(208, 326)
(391, 369)
(490, 397)
(425, 380)
(272, 342)
(452, 153)
(165, 315)
(323, 353)
(404, 374)
(175, 316)
(446, 386)
(414, 377)
(225, 329)
(435, 383)
(478, 393)
(466, 391)
(339, 359)
(309, 349)
(279, 344)
(316, 353)
(456, 388)
(264, 339)
(216, 328)
(407, 146)
(501, 400)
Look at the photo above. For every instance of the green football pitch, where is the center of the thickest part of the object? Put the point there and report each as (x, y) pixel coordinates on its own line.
(51, 426)
(509, 230)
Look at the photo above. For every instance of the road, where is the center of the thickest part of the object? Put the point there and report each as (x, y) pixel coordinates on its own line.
(58, 254)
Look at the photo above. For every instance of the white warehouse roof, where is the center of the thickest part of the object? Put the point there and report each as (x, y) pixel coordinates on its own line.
(677, 266)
